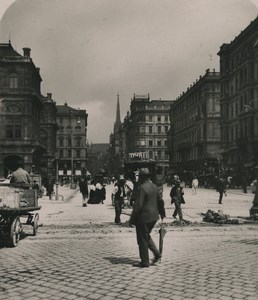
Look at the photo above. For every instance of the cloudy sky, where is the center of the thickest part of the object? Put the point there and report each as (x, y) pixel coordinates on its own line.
(90, 50)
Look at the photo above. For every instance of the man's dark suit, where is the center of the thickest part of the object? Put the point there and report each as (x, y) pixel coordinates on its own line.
(148, 205)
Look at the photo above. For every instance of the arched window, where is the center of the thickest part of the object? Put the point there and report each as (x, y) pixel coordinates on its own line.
(13, 81)
(13, 127)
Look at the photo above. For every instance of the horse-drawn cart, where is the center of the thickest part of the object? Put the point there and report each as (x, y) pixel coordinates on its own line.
(17, 204)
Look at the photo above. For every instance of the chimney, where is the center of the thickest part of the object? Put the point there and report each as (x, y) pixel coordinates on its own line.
(26, 52)
(49, 95)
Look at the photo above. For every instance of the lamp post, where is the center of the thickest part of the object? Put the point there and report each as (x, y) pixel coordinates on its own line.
(72, 181)
(71, 136)
(218, 166)
(57, 196)
(72, 186)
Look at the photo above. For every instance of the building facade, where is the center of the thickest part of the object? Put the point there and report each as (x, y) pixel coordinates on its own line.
(239, 102)
(48, 133)
(194, 136)
(22, 138)
(146, 128)
(71, 141)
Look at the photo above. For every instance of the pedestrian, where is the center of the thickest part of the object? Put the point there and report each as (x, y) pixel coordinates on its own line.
(177, 198)
(128, 191)
(118, 195)
(92, 198)
(83, 185)
(20, 177)
(100, 192)
(50, 188)
(146, 210)
(221, 188)
(195, 184)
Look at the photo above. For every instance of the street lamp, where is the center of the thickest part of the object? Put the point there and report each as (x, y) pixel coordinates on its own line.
(72, 158)
(57, 171)
(218, 166)
(71, 122)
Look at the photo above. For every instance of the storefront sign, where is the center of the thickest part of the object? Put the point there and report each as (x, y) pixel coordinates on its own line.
(137, 155)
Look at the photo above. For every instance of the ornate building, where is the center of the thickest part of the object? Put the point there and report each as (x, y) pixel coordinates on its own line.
(25, 130)
(194, 136)
(71, 140)
(239, 101)
(146, 128)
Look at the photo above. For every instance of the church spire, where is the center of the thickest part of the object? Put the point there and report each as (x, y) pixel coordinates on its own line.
(118, 118)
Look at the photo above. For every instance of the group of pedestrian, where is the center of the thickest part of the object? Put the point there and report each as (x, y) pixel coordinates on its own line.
(148, 204)
(97, 192)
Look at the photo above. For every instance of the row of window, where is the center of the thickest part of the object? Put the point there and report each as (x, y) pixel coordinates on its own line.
(161, 155)
(159, 118)
(199, 133)
(153, 129)
(245, 128)
(13, 83)
(151, 143)
(69, 128)
(194, 153)
(243, 103)
(63, 142)
(68, 153)
(237, 59)
(70, 120)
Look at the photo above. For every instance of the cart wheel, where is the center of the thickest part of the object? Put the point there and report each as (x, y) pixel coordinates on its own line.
(35, 224)
(15, 232)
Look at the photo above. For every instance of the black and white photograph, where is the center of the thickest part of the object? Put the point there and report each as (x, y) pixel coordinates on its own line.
(128, 149)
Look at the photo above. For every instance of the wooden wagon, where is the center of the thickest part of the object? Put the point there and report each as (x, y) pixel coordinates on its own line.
(15, 205)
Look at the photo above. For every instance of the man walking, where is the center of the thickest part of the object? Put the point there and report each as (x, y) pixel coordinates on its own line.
(118, 199)
(83, 185)
(221, 188)
(148, 205)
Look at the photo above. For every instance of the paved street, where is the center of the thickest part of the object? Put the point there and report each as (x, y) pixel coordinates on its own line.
(79, 253)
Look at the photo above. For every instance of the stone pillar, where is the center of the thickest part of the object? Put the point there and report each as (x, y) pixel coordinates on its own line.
(254, 208)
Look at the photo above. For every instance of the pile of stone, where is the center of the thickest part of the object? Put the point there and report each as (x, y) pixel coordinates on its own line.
(220, 218)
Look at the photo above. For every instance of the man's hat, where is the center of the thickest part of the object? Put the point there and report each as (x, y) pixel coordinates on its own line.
(144, 171)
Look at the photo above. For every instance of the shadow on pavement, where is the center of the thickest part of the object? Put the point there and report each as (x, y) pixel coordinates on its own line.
(121, 260)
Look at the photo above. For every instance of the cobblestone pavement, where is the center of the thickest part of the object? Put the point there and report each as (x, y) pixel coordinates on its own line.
(79, 253)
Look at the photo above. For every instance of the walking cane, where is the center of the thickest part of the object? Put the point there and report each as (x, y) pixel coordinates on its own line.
(162, 232)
